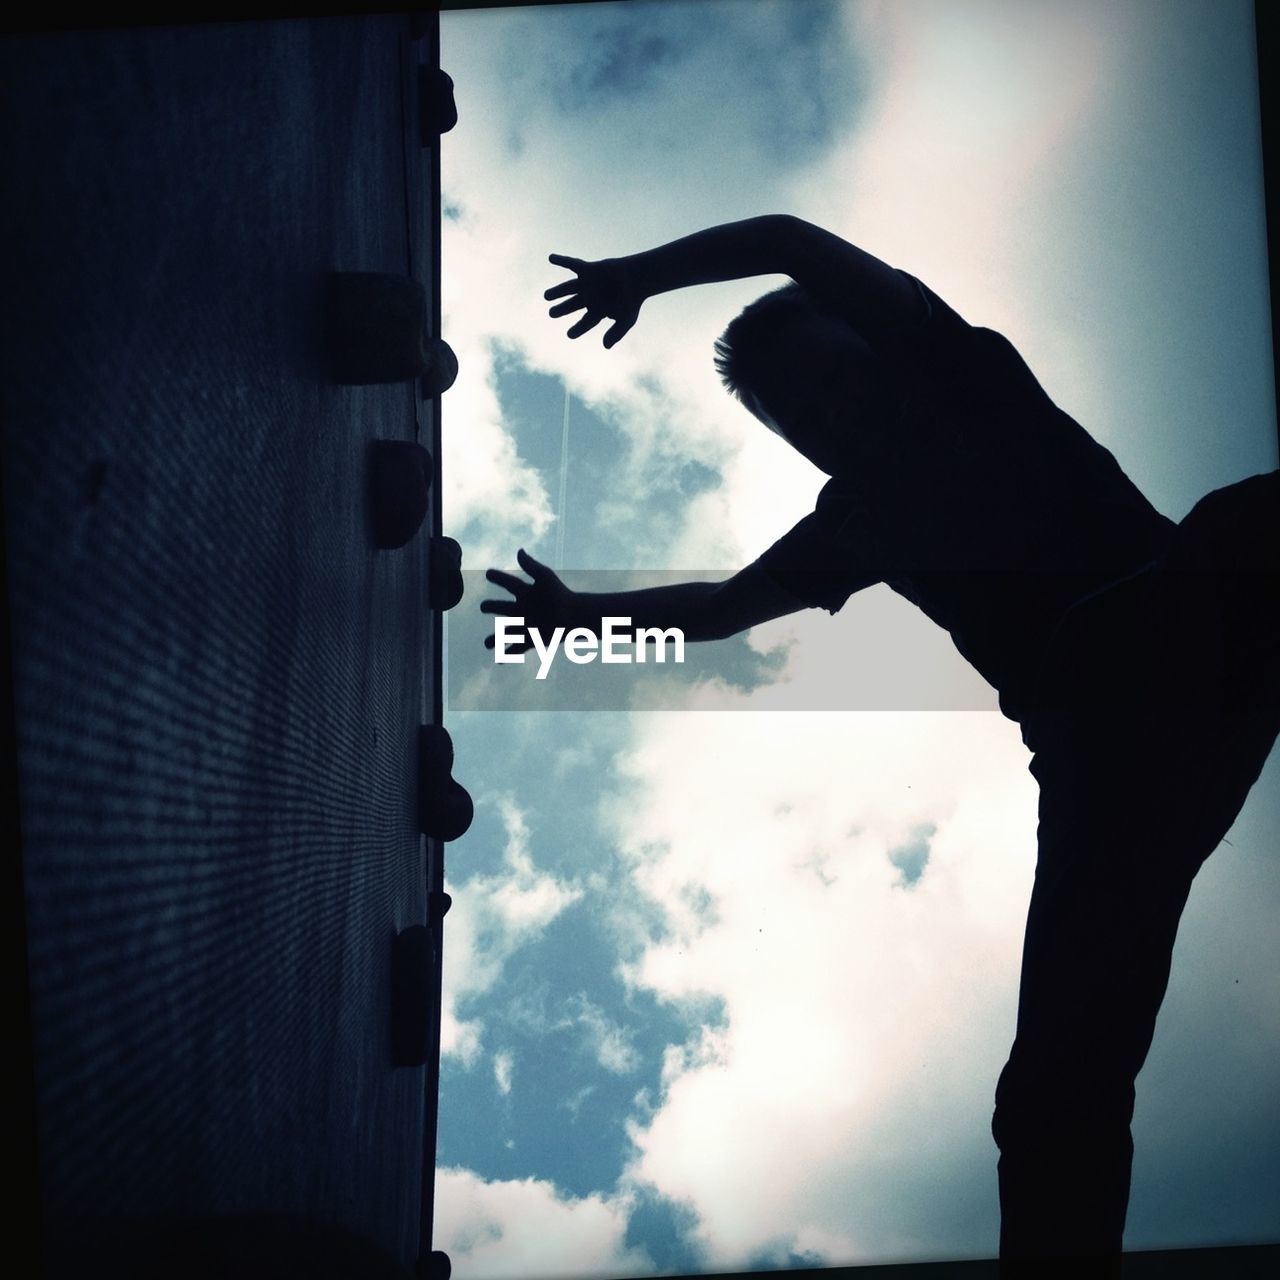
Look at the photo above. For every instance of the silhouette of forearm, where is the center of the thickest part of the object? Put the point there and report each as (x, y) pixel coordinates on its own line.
(870, 292)
(702, 610)
(689, 606)
(754, 247)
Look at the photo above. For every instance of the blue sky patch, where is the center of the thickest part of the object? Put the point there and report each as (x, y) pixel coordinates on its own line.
(912, 856)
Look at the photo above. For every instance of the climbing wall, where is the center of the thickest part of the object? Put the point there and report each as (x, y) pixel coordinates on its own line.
(224, 637)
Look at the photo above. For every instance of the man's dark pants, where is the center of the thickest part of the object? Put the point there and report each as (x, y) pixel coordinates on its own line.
(1158, 705)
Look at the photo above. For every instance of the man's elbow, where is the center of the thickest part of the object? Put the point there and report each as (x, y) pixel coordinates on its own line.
(790, 232)
(732, 607)
(706, 619)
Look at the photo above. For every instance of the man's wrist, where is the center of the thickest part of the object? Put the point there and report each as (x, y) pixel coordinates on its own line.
(636, 272)
(573, 612)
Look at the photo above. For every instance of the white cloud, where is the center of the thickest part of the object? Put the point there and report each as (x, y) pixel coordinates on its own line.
(864, 1025)
(573, 1104)
(953, 176)
(503, 1063)
(610, 1042)
(527, 1230)
(603, 1038)
(492, 917)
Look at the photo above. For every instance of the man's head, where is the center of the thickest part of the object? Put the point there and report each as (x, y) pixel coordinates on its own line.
(806, 374)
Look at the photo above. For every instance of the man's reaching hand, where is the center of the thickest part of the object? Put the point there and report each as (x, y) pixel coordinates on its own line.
(542, 603)
(605, 290)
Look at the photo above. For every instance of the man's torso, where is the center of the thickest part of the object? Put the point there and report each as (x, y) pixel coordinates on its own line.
(987, 506)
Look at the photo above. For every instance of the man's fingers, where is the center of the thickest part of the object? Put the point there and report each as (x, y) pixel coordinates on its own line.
(509, 580)
(617, 331)
(559, 290)
(507, 608)
(586, 324)
(563, 260)
(534, 568)
(565, 308)
(490, 643)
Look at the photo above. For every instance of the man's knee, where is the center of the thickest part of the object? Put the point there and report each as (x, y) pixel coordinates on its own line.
(1060, 1105)
(1236, 529)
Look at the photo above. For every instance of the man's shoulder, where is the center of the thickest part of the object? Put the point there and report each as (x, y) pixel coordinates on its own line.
(813, 562)
(934, 311)
(843, 512)
(937, 335)
(948, 364)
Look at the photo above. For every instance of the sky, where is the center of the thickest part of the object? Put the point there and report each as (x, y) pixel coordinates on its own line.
(728, 983)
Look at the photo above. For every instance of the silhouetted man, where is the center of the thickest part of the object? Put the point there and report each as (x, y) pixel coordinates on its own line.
(1138, 656)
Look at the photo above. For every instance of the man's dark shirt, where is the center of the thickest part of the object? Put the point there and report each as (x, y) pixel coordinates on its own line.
(990, 509)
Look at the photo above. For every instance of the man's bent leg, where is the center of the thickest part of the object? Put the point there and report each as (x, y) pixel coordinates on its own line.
(1165, 705)
(1123, 831)
(1111, 884)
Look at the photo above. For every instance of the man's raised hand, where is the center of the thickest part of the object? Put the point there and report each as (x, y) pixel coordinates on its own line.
(605, 290)
(542, 603)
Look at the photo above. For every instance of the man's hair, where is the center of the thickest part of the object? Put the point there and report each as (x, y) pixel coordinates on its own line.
(746, 358)
(754, 357)
(749, 353)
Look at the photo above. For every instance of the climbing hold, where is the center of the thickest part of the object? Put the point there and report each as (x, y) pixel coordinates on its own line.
(400, 473)
(376, 331)
(441, 370)
(437, 111)
(444, 573)
(438, 904)
(444, 806)
(411, 970)
(436, 1267)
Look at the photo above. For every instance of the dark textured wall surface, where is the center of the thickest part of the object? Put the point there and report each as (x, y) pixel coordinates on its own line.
(217, 677)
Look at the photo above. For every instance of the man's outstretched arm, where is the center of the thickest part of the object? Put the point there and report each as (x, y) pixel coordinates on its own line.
(871, 294)
(701, 610)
